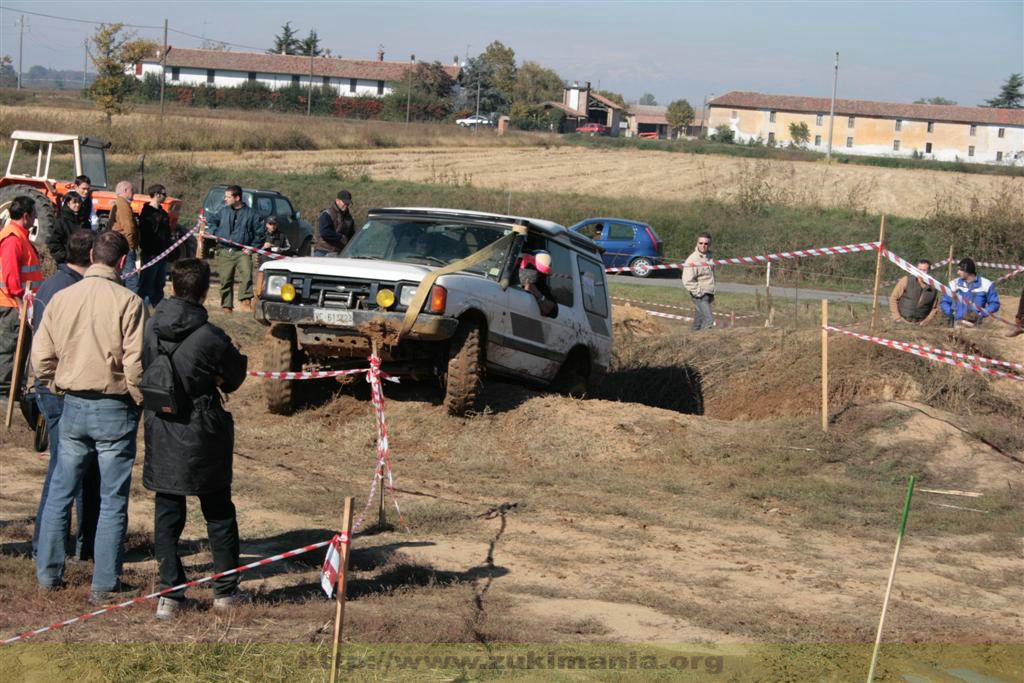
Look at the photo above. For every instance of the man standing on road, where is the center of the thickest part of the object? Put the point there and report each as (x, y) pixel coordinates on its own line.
(335, 227)
(51, 405)
(188, 453)
(914, 300)
(89, 346)
(969, 285)
(236, 222)
(123, 221)
(154, 238)
(699, 280)
(19, 266)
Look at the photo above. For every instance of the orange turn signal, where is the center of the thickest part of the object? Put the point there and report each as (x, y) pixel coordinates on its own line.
(438, 299)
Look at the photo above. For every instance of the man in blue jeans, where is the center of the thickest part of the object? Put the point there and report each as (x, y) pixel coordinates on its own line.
(699, 280)
(87, 499)
(89, 346)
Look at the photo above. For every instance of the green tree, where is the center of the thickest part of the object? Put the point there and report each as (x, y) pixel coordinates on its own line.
(310, 45)
(478, 76)
(648, 99)
(535, 84)
(613, 96)
(113, 54)
(679, 115)
(724, 133)
(934, 100)
(287, 42)
(426, 92)
(8, 76)
(800, 133)
(1011, 95)
(502, 61)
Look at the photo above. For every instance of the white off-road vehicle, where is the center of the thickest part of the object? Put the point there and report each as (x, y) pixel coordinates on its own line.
(439, 290)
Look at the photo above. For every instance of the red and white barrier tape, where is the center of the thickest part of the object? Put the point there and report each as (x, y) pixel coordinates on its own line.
(313, 374)
(243, 247)
(155, 260)
(765, 258)
(930, 349)
(945, 289)
(1008, 276)
(373, 376)
(999, 266)
(907, 348)
(681, 308)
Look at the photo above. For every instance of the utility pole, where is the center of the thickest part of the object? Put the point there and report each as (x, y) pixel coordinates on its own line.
(21, 42)
(408, 90)
(85, 61)
(163, 71)
(832, 111)
(309, 98)
(478, 95)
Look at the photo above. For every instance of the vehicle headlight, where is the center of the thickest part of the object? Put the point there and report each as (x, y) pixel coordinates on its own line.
(385, 298)
(275, 283)
(407, 296)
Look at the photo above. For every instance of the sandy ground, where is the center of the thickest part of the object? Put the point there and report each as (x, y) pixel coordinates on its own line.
(619, 173)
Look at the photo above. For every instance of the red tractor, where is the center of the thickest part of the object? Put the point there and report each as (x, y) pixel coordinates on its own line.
(88, 158)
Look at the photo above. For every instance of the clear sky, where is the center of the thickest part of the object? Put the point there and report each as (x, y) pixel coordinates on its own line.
(896, 51)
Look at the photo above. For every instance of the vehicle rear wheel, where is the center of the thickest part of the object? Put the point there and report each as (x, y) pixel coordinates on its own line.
(464, 375)
(46, 217)
(41, 439)
(280, 355)
(641, 266)
(573, 378)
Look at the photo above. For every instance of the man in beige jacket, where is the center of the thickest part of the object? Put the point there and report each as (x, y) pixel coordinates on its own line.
(123, 220)
(89, 347)
(699, 280)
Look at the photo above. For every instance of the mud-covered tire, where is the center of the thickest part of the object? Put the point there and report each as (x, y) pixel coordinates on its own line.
(46, 217)
(464, 375)
(573, 377)
(280, 355)
(41, 438)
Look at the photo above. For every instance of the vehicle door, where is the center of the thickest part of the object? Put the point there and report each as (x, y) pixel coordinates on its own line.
(530, 344)
(619, 244)
(288, 222)
(595, 230)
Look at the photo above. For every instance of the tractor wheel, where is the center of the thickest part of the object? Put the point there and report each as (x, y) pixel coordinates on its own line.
(280, 355)
(46, 217)
(464, 375)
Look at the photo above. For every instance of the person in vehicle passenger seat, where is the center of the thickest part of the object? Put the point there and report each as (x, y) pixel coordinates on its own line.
(534, 269)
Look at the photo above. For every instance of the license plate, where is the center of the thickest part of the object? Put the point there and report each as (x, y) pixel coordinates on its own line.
(332, 317)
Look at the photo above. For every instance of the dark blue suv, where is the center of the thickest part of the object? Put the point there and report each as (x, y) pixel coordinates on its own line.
(625, 243)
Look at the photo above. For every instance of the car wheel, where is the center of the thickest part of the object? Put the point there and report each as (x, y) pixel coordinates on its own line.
(464, 374)
(641, 266)
(307, 247)
(280, 355)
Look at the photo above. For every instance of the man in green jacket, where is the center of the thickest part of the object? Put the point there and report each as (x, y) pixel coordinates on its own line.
(239, 223)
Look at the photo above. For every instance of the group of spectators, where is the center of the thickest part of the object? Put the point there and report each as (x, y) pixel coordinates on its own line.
(94, 346)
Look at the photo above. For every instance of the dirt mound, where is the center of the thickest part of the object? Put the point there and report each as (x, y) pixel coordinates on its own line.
(629, 321)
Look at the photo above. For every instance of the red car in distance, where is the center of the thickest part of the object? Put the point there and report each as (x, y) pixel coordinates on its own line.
(593, 129)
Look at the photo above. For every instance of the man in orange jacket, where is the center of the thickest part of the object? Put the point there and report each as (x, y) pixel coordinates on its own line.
(19, 266)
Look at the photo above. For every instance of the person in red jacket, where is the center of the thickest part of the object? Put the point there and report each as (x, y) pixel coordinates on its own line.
(19, 267)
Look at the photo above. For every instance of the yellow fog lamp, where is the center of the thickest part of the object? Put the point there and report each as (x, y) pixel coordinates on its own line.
(385, 298)
(288, 292)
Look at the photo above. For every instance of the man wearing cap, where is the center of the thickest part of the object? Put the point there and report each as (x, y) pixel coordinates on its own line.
(699, 280)
(914, 300)
(972, 287)
(335, 227)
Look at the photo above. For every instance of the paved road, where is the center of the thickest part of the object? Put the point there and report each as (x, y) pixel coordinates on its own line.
(736, 288)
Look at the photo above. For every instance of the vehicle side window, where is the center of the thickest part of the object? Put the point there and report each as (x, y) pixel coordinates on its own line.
(283, 207)
(593, 230)
(595, 298)
(620, 231)
(264, 205)
(560, 280)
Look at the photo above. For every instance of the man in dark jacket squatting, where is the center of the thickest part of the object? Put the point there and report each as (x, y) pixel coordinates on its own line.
(189, 452)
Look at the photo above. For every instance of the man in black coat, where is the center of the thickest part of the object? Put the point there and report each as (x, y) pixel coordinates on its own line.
(68, 220)
(189, 453)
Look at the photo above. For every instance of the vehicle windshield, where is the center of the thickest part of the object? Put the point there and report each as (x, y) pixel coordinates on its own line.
(94, 165)
(215, 199)
(426, 242)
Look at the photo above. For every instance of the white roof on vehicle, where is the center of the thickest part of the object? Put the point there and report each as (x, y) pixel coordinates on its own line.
(539, 222)
(42, 137)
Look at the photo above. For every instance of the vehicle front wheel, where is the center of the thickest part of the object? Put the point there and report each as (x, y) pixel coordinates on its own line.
(280, 355)
(464, 375)
(641, 266)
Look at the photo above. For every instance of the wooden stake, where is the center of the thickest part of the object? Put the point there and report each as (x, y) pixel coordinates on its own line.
(949, 265)
(339, 592)
(878, 274)
(824, 365)
(892, 577)
(16, 370)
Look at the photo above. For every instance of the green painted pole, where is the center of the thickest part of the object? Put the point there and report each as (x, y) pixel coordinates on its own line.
(892, 577)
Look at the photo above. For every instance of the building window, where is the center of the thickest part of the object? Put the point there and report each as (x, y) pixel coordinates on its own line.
(252, 76)
(209, 76)
(849, 142)
(819, 119)
(771, 117)
(817, 141)
(899, 124)
(974, 130)
(771, 138)
(931, 126)
(1002, 132)
(849, 122)
(295, 79)
(175, 73)
(735, 115)
(327, 81)
(895, 145)
(927, 148)
(380, 87)
(970, 151)
(351, 85)
(999, 156)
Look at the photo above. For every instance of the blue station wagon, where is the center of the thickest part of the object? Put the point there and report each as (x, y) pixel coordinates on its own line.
(625, 243)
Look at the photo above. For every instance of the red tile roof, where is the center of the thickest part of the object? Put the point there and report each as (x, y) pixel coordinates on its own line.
(260, 62)
(890, 110)
(605, 101)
